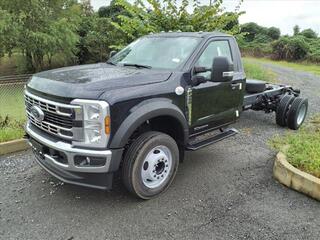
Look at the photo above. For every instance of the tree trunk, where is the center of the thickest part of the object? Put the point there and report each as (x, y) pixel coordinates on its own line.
(29, 63)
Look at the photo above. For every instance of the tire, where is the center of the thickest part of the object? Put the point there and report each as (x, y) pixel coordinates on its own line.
(150, 164)
(255, 86)
(297, 113)
(282, 110)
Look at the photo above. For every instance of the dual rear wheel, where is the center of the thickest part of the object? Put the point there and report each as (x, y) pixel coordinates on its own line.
(291, 111)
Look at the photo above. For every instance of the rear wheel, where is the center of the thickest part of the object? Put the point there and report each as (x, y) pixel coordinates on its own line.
(150, 164)
(297, 113)
(282, 110)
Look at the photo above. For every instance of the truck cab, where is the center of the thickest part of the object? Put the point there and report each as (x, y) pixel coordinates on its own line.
(139, 112)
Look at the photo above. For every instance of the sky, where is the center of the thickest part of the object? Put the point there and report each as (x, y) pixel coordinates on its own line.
(284, 14)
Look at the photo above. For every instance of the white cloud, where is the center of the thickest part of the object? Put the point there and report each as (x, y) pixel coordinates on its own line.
(283, 14)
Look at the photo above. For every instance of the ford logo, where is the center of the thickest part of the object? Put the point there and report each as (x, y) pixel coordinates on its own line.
(37, 113)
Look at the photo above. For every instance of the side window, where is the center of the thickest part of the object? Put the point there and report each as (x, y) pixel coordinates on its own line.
(214, 49)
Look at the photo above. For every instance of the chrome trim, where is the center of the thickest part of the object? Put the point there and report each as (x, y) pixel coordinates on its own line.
(51, 111)
(49, 102)
(228, 74)
(189, 105)
(70, 152)
(52, 128)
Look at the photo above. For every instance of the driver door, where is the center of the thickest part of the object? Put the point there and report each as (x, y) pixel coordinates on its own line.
(214, 104)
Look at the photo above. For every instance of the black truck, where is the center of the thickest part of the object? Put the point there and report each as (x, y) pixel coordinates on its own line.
(141, 110)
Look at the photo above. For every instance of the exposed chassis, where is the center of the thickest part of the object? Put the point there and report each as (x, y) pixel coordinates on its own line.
(269, 99)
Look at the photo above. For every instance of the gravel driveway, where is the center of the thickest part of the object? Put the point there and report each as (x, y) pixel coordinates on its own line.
(224, 191)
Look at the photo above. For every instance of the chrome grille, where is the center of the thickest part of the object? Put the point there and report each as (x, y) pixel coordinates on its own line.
(58, 117)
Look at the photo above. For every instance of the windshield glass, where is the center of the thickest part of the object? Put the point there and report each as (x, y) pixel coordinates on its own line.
(156, 52)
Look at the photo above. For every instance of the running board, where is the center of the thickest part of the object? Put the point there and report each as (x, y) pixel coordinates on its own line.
(216, 138)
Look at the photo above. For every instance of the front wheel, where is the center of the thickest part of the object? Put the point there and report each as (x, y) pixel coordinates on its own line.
(150, 164)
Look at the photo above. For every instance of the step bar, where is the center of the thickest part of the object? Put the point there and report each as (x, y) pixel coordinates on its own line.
(225, 133)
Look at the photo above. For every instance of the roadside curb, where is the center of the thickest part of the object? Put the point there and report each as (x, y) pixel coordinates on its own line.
(13, 146)
(294, 178)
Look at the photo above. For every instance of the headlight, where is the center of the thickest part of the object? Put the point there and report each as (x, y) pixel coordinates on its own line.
(96, 122)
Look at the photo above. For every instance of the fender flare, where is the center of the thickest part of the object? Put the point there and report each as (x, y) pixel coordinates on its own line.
(144, 111)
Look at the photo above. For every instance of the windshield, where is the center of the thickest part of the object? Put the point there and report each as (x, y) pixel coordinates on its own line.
(156, 52)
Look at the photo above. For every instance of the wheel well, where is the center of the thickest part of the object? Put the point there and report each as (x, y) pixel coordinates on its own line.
(166, 124)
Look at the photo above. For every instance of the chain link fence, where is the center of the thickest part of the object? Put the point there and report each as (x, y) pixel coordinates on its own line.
(11, 96)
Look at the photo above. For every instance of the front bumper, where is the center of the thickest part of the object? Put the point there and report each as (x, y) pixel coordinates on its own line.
(61, 160)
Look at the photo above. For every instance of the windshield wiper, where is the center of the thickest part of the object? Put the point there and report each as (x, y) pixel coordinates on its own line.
(136, 65)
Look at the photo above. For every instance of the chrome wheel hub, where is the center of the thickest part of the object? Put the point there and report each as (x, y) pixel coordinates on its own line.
(156, 166)
(301, 114)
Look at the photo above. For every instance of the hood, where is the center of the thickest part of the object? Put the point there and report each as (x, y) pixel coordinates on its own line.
(90, 81)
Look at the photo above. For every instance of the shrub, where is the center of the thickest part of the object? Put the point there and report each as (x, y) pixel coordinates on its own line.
(309, 33)
(273, 33)
(290, 48)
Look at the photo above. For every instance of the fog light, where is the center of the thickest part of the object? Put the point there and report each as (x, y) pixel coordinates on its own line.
(86, 161)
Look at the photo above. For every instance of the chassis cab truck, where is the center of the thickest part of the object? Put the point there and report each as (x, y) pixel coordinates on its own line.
(142, 109)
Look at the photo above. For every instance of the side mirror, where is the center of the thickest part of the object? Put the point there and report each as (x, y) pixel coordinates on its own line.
(198, 69)
(196, 80)
(222, 70)
(112, 53)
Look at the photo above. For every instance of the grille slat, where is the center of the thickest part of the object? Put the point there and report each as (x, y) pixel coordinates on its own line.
(56, 122)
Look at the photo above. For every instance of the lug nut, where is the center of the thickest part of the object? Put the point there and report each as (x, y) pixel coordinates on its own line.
(158, 177)
(161, 175)
(165, 170)
(154, 176)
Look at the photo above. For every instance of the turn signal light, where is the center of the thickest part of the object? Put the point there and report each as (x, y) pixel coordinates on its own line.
(107, 126)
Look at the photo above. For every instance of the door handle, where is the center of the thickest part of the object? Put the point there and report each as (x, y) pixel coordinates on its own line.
(236, 85)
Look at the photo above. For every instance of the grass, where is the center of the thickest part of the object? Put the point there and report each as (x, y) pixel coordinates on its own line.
(10, 129)
(303, 147)
(12, 113)
(302, 66)
(256, 71)
(12, 101)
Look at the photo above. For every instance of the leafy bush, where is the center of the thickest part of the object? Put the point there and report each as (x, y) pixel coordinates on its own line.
(290, 48)
(309, 33)
(260, 41)
(274, 33)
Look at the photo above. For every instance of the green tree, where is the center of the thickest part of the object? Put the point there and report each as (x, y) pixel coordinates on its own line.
(273, 33)
(251, 30)
(111, 11)
(9, 30)
(296, 30)
(42, 28)
(100, 39)
(144, 17)
(309, 33)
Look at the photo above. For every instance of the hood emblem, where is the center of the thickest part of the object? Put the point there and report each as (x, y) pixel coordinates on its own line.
(37, 113)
